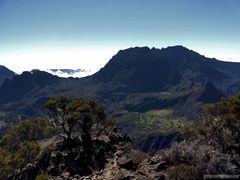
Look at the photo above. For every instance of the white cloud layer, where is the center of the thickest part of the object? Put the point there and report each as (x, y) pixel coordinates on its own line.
(60, 58)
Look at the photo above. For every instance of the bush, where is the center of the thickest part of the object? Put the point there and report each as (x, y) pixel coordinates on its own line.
(79, 119)
(210, 146)
(19, 145)
(202, 158)
(182, 171)
(43, 176)
(219, 126)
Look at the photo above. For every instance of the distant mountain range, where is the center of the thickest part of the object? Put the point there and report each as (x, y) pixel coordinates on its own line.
(66, 73)
(143, 89)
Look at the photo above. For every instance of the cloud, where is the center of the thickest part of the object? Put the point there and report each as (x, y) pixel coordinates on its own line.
(57, 58)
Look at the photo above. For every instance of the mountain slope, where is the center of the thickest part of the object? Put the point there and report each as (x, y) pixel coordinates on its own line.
(153, 70)
(135, 70)
(5, 73)
(24, 84)
(143, 89)
(138, 70)
(196, 67)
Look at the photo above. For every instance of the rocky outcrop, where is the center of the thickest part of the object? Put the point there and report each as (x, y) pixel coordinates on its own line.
(69, 159)
(111, 158)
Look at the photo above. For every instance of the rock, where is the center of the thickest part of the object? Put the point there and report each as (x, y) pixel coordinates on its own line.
(151, 167)
(111, 158)
(65, 175)
(126, 163)
(104, 138)
(123, 175)
(162, 166)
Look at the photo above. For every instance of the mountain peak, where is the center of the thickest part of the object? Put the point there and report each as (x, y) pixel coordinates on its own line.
(136, 48)
(138, 70)
(179, 47)
(180, 50)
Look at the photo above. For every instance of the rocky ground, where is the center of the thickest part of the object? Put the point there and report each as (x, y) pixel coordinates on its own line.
(112, 158)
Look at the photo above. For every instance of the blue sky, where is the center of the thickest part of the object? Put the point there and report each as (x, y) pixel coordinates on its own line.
(86, 33)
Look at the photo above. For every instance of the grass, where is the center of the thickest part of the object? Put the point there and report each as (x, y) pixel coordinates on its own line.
(2, 114)
(159, 113)
(47, 142)
(140, 125)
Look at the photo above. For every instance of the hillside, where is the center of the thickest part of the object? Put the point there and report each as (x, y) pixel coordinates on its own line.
(210, 146)
(137, 86)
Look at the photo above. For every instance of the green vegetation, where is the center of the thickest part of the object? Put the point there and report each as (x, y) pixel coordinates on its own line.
(182, 171)
(139, 125)
(19, 145)
(44, 143)
(210, 146)
(159, 113)
(43, 176)
(78, 119)
(158, 120)
(219, 125)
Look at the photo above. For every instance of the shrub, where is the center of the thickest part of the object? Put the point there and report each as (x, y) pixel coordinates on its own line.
(19, 145)
(79, 119)
(182, 171)
(210, 146)
(43, 176)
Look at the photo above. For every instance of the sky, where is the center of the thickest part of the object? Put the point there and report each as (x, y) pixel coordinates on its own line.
(44, 34)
